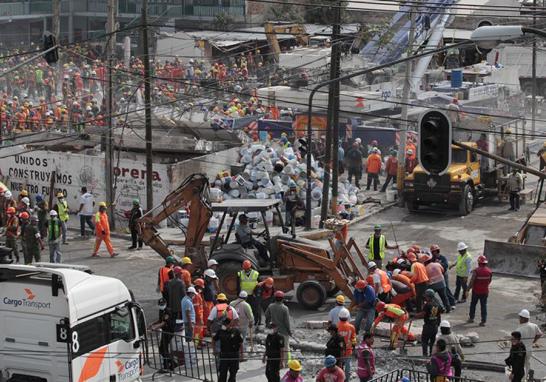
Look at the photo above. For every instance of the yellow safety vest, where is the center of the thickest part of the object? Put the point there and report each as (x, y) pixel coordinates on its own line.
(63, 210)
(248, 281)
(382, 242)
(398, 312)
(461, 268)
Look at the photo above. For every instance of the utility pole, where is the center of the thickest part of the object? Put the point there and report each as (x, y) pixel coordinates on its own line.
(147, 107)
(108, 144)
(401, 173)
(56, 30)
(534, 73)
(330, 159)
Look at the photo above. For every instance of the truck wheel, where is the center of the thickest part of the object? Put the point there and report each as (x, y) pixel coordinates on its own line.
(467, 201)
(227, 277)
(413, 206)
(311, 295)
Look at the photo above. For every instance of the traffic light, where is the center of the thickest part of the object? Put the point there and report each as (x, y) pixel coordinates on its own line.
(434, 142)
(49, 42)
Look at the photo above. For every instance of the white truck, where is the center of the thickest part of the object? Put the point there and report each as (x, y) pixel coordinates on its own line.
(59, 323)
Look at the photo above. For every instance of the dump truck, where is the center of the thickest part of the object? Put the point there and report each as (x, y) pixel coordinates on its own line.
(307, 271)
(470, 176)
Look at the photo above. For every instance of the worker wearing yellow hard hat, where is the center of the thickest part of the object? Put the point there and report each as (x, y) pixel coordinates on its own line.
(186, 271)
(293, 373)
(333, 315)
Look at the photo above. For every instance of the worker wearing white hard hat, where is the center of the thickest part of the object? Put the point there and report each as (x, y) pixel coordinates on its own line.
(246, 317)
(454, 346)
(530, 334)
(211, 289)
(463, 269)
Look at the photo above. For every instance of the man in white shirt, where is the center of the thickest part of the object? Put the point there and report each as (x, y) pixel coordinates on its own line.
(87, 204)
(530, 334)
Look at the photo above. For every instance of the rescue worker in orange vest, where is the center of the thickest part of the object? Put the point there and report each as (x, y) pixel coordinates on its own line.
(373, 168)
(12, 232)
(399, 315)
(199, 305)
(216, 318)
(418, 276)
(186, 271)
(402, 296)
(379, 280)
(102, 231)
(346, 330)
(165, 274)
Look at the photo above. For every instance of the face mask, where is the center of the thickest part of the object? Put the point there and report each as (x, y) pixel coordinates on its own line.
(224, 327)
(162, 307)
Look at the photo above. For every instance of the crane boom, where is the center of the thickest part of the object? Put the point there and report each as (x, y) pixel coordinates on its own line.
(193, 193)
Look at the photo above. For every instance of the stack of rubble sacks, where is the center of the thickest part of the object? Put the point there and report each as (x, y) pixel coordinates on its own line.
(271, 169)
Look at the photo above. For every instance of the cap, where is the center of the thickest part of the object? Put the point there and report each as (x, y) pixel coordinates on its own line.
(243, 294)
(279, 294)
(211, 263)
(170, 260)
(247, 265)
(329, 361)
(210, 273)
(372, 264)
(199, 282)
(192, 290)
(340, 299)
(461, 246)
(221, 297)
(524, 313)
(294, 365)
(360, 284)
(344, 314)
(51, 213)
(445, 324)
(186, 260)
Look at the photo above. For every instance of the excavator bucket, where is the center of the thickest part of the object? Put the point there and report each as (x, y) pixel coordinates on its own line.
(514, 259)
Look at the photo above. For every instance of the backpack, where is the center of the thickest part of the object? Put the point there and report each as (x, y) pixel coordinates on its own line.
(221, 315)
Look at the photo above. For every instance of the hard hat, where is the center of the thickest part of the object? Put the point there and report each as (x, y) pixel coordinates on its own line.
(102, 204)
(8, 194)
(411, 257)
(344, 314)
(24, 215)
(243, 294)
(544, 145)
(430, 293)
(11, 210)
(279, 294)
(340, 299)
(177, 270)
(445, 324)
(423, 258)
(372, 264)
(380, 306)
(482, 259)
(360, 284)
(524, 313)
(294, 365)
(24, 193)
(377, 227)
(210, 273)
(199, 282)
(170, 260)
(329, 361)
(221, 297)
(461, 246)
(26, 200)
(52, 213)
(269, 281)
(136, 202)
(191, 290)
(39, 198)
(410, 151)
(61, 195)
(211, 263)
(247, 265)
(396, 272)
(186, 260)
(434, 247)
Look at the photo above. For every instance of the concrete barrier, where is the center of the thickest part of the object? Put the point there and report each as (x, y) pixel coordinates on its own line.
(513, 259)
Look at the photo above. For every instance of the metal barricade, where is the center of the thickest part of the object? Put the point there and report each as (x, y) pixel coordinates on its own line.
(415, 376)
(174, 354)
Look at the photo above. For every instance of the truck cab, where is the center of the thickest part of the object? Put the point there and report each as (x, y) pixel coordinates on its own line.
(457, 187)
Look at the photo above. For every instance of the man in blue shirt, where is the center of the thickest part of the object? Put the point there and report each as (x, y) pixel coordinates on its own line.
(188, 313)
(364, 298)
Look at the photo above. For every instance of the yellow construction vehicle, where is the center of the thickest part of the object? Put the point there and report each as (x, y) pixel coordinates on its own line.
(271, 30)
(297, 265)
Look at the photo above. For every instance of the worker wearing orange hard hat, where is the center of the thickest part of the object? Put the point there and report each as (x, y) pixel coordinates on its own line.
(198, 305)
(418, 276)
(399, 315)
(363, 302)
(12, 231)
(247, 282)
(264, 294)
(404, 293)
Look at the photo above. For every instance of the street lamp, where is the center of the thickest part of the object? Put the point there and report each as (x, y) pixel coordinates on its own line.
(339, 79)
(487, 37)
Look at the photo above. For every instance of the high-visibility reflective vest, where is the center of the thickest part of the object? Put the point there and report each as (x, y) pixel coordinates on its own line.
(382, 245)
(63, 210)
(394, 311)
(163, 277)
(248, 281)
(461, 267)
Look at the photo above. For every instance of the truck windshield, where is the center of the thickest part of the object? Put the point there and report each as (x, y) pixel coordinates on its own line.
(458, 156)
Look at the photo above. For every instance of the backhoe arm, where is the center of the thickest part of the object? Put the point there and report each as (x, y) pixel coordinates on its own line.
(193, 194)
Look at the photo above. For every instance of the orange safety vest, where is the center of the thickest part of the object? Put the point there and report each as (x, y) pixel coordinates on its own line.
(163, 277)
(198, 306)
(419, 273)
(384, 280)
(348, 332)
(224, 308)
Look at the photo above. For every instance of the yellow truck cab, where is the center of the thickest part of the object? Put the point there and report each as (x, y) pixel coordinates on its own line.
(458, 187)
